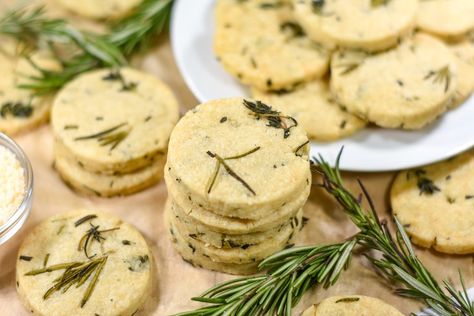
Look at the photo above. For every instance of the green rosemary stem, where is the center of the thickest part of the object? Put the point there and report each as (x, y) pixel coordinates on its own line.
(398, 261)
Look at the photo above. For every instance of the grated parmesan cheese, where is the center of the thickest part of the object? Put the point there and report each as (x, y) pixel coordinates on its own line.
(12, 184)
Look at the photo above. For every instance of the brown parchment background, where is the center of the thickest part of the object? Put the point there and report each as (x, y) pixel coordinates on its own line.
(177, 281)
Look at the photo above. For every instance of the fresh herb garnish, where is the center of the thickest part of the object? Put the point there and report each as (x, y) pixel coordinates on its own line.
(275, 118)
(222, 162)
(116, 75)
(426, 186)
(347, 300)
(441, 76)
(25, 258)
(298, 149)
(92, 234)
(16, 109)
(84, 219)
(76, 273)
(378, 3)
(110, 136)
(46, 259)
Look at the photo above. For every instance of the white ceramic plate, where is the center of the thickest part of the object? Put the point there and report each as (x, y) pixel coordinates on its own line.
(373, 149)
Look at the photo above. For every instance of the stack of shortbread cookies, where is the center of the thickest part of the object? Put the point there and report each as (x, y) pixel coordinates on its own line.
(238, 176)
(112, 128)
(337, 66)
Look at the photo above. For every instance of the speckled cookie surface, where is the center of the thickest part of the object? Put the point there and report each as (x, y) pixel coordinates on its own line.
(268, 157)
(106, 185)
(260, 43)
(233, 225)
(113, 120)
(124, 281)
(464, 52)
(99, 9)
(198, 259)
(406, 87)
(242, 253)
(20, 110)
(203, 233)
(447, 18)
(353, 305)
(357, 24)
(313, 106)
(435, 204)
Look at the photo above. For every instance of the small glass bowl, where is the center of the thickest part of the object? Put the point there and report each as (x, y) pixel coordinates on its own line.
(16, 221)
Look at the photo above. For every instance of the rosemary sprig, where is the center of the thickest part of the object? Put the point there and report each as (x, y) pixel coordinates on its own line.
(75, 273)
(90, 51)
(440, 76)
(275, 118)
(111, 136)
(398, 261)
(222, 162)
(291, 273)
(92, 234)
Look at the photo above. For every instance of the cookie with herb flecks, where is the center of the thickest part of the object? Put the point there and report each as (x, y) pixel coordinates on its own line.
(353, 305)
(464, 51)
(405, 87)
(114, 120)
(446, 18)
(188, 208)
(435, 204)
(102, 9)
(105, 185)
(84, 263)
(370, 25)
(242, 252)
(20, 110)
(313, 106)
(261, 44)
(200, 231)
(239, 158)
(198, 259)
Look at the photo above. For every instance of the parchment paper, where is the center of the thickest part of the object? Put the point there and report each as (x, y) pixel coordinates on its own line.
(177, 281)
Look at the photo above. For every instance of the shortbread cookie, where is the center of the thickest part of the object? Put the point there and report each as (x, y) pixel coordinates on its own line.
(259, 43)
(203, 233)
(359, 24)
(100, 9)
(232, 225)
(313, 106)
(354, 305)
(265, 158)
(114, 120)
(406, 87)
(198, 259)
(120, 263)
(107, 185)
(242, 253)
(20, 110)
(446, 18)
(435, 204)
(464, 52)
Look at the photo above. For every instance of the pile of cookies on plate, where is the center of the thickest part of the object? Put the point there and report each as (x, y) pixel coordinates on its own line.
(111, 129)
(236, 185)
(337, 66)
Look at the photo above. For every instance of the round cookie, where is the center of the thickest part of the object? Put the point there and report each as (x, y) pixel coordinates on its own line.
(20, 110)
(196, 258)
(464, 51)
(358, 24)
(354, 305)
(106, 185)
(114, 120)
(241, 253)
(406, 87)
(201, 232)
(266, 156)
(446, 18)
(121, 263)
(314, 108)
(435, 204)
(184, 207)
(260, 43)
(100, 9)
